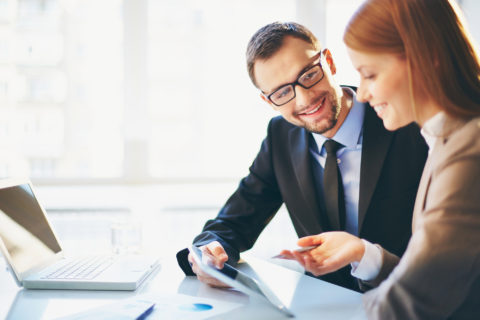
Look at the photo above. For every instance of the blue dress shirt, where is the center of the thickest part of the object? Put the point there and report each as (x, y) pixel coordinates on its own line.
(349, 157)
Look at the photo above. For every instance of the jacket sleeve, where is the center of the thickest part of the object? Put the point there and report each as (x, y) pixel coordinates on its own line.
(247, 211)
(440, 269)
(389, 262)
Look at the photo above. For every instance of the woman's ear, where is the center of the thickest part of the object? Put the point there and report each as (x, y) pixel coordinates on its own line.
(328, 57)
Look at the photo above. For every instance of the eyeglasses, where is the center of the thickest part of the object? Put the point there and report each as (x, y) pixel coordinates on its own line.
(307, 79)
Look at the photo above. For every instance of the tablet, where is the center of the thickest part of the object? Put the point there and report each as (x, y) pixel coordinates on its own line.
(240, 281)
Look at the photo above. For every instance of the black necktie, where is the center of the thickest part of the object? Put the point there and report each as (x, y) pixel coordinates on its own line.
(333, 186)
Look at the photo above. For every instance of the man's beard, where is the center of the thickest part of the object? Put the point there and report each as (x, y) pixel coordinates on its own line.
(331, 121)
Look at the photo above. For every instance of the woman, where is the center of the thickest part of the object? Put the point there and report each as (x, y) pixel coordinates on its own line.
(417, 63)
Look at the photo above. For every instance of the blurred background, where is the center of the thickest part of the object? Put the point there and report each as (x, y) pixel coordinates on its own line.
(142, 91)
(144, 105)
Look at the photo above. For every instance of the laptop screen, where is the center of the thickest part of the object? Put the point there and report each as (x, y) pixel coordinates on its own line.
(24, 228)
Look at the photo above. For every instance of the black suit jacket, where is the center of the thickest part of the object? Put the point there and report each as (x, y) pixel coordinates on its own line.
(391, 166)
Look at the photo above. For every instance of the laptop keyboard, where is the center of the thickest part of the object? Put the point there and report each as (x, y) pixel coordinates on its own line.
(83, 268)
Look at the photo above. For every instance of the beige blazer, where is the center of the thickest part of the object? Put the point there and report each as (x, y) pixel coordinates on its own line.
(438, 277)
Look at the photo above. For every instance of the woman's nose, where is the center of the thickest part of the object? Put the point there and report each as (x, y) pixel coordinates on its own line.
(362, 94)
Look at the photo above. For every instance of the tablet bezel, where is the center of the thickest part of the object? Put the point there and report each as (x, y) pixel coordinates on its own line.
(240, 281)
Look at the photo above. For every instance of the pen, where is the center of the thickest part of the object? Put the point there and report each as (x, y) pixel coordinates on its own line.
(308, 248)
(145, 314)
(301, 249)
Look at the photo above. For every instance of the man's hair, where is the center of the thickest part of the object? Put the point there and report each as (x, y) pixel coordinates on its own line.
(442, 61)
(269, 39)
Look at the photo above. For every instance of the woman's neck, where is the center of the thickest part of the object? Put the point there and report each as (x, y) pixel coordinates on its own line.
(428, 111)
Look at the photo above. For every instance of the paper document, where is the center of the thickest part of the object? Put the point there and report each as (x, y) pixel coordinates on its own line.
(157, 306)
(125, 309)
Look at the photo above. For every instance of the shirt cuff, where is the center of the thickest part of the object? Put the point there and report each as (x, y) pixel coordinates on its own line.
(370, 265)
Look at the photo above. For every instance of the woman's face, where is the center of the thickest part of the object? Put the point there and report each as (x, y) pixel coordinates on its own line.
(384, 84)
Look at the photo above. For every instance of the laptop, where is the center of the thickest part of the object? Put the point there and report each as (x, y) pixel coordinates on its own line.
(35, 257)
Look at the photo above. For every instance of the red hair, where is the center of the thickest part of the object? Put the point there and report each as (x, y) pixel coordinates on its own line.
(431, 35)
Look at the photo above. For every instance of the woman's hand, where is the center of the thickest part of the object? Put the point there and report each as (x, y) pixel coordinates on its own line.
(335, 250)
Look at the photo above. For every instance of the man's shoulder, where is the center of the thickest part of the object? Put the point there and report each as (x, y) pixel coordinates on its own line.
(279, 123)
(407, 137)
(285, 133)
(372, 120)
(280, 120)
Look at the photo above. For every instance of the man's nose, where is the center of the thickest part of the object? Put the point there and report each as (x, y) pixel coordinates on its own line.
(303, 96)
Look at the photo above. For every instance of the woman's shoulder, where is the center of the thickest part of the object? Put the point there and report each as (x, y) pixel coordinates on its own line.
(460, 140)
(465, 139)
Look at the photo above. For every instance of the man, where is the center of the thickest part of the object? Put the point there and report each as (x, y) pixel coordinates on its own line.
(379, 170)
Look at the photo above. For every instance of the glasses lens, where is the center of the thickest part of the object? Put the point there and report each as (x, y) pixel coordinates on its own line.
(283, 95)
(311, 76)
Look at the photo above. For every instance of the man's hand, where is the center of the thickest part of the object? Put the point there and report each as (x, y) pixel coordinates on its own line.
(215, 255)
(335, 250)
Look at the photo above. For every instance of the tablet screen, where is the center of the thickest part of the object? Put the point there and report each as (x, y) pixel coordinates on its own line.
(239, 280)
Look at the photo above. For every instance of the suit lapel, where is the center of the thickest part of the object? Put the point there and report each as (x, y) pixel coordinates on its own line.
(376, 141)
(301, 159)
(420, 200)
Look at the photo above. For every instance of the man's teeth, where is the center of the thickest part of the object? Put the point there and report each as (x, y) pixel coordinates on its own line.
(314, 110)
(380, 107)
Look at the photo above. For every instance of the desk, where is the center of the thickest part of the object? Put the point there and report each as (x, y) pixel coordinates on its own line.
(306, 297)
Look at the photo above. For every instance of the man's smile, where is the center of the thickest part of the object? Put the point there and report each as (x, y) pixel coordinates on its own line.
(314, 109)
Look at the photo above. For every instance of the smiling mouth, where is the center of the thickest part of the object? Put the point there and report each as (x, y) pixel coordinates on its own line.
(312, 111)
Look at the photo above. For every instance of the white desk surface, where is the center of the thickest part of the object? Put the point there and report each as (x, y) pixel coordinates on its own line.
(306, 297)
(166, 232)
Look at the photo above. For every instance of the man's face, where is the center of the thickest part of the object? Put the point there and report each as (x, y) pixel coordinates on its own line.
(316, 109)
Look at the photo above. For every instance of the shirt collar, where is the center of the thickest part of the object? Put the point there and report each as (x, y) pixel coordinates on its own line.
(433, 129)
(349, 133)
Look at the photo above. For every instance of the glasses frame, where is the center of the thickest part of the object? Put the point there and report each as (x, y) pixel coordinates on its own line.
(296, 82)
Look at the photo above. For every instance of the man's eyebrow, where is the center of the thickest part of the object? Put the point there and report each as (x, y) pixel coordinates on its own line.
(308, 66)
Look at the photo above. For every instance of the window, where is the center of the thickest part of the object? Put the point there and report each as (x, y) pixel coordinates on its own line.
(61, 79)
(196, 58)
(140, 90)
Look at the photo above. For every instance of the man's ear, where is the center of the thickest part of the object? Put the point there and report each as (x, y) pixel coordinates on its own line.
(328, 57)
(266, 100)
